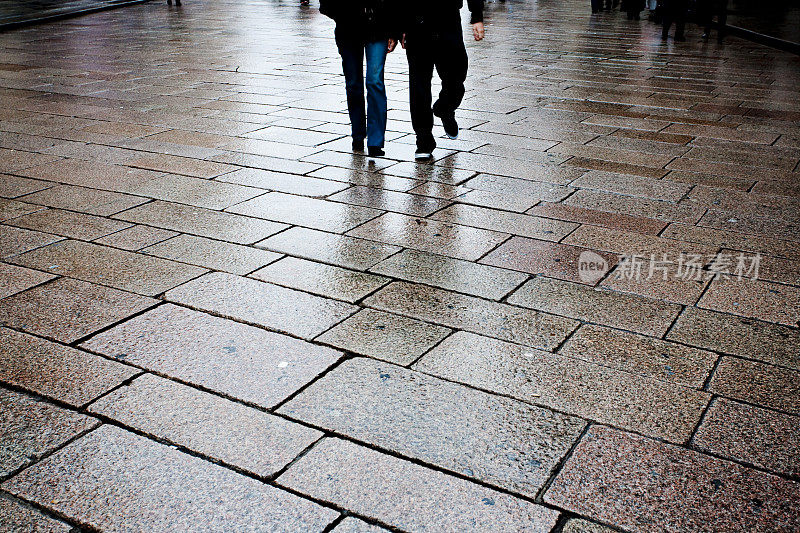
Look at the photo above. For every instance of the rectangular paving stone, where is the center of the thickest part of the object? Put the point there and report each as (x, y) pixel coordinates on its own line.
(69, 224)
(30, 428)
(181, 165)
(109, 266)
(367, 179)
(394, 338)
(155, 486)
(306, 212)
(281, 182)
(332, 248)
(636, 206)
(514, 223)
(91, 174)
(530, 190)
(618, 221)
(664, 278)
(406, 495)
(57, 371)
(624, 311)
(256, 302)
(15, 186)
(638, 354)
(15, 241)
(453, 274)
(440, 174)
(632, 185)
(771, 302)
(136, 237)
(218, 428)
(630, 243)
(757, 383)
(230, 358)
(399, 202)
(85, 200)
(317, 278)
(732, 240)
(354, 525)
(568, 385)
(14, 279)
(16, 516)
(216, 255)
(68, 309)
(202, 222)
(735, 335)
(458, 311)
(12, 209)
(433, 421)
(639, 484)
(761, 437)
(197, 192)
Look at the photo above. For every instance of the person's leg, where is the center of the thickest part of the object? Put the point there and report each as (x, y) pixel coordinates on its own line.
(420, 74)
(451, 64)
(352, 53)
(376, 93)
(596, 5)
(722, 17)
(667, 18)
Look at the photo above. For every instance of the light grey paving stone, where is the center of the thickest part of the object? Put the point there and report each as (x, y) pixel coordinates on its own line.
(453, 274)
(400, 202)
(30, 428)
(496, 440)
(216, 255)
(280, 182)
(84, 200)
(394, 338)
(69, 224)
(256, 302)
(16, 517)
(224, 430)
(113, 480)
(409, 496)
(14, 279)
(318, 278)
(568, 385)
(340, 250)
(459, 311)
(355, 525)
(65, 374)
(578, 525)
(240, 361)
(546, 229)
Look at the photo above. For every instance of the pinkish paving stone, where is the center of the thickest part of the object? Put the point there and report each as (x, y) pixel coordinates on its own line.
(771, 302)
(406, 495)
(16, 516)
(216, 255)
(15, 186)
(616, 221)
(12, 209)
(14, 279)
(114, 480)
(579, 525)
(69, 224)
(764, 438)
(632, 185)
(85, 200)
(758, 383)
(30, 428)
(237, 360)
(136, 237)
(671, 279)
(643, 485)
(15, 241)
(65, 374)
(506, 222)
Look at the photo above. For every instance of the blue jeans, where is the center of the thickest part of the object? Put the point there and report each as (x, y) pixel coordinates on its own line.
(372, 123)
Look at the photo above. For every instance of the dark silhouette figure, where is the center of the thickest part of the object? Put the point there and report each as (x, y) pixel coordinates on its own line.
(675, 11)
(706, 9)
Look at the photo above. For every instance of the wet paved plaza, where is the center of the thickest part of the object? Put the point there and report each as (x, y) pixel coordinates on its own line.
(582, 317)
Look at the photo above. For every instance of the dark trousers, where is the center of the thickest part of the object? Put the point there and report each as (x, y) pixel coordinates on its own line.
(675, 11)
(706, 9)
(439, 46)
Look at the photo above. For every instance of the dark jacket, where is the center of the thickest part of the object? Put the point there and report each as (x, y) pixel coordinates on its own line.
(439, 10)
(365, 20)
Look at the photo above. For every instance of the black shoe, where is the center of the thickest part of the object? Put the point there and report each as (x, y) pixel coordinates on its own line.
(448, 122)
(375, 151)
(423, 155)
(664, 36)
(358, 145)
(680, 38)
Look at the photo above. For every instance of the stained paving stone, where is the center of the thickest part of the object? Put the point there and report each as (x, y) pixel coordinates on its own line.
(15, 186)
(453, 274)
(354, 525)
(85, 200)
(453, 240)
(216, 255)
(394, 338)
(632, 185)
(317, 278)
(68, 309)
(399, 202)
(632, 482)
(306, 212)
(68, 375)
(14, 279)
(218, 428)
(340, 250)
(237, 360)
(15, 241)
(69, 224)
(543, 257)
(458, 311)
(648, 226)
(757, 383)
(503, 221)
(568, 385)
(120, 269)
(136, 237)
(406, 495)
(761, 437)
(31, 428)
(510, 445)
(114, 480)
(16, 516)
(638, 354)
(202, 222)
(735, 335)
(256, 302)
(771, 302)
(624, 311)
(281, 182)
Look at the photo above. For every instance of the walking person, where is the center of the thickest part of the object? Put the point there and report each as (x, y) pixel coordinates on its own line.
(706, 10)
(365, 28)
(675, 11)
(432, 38)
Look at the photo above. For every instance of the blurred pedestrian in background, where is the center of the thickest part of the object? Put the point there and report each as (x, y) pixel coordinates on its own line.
(706, 9)
(675, 11)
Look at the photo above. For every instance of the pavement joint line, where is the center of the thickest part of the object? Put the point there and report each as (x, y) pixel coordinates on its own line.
(539, 498)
